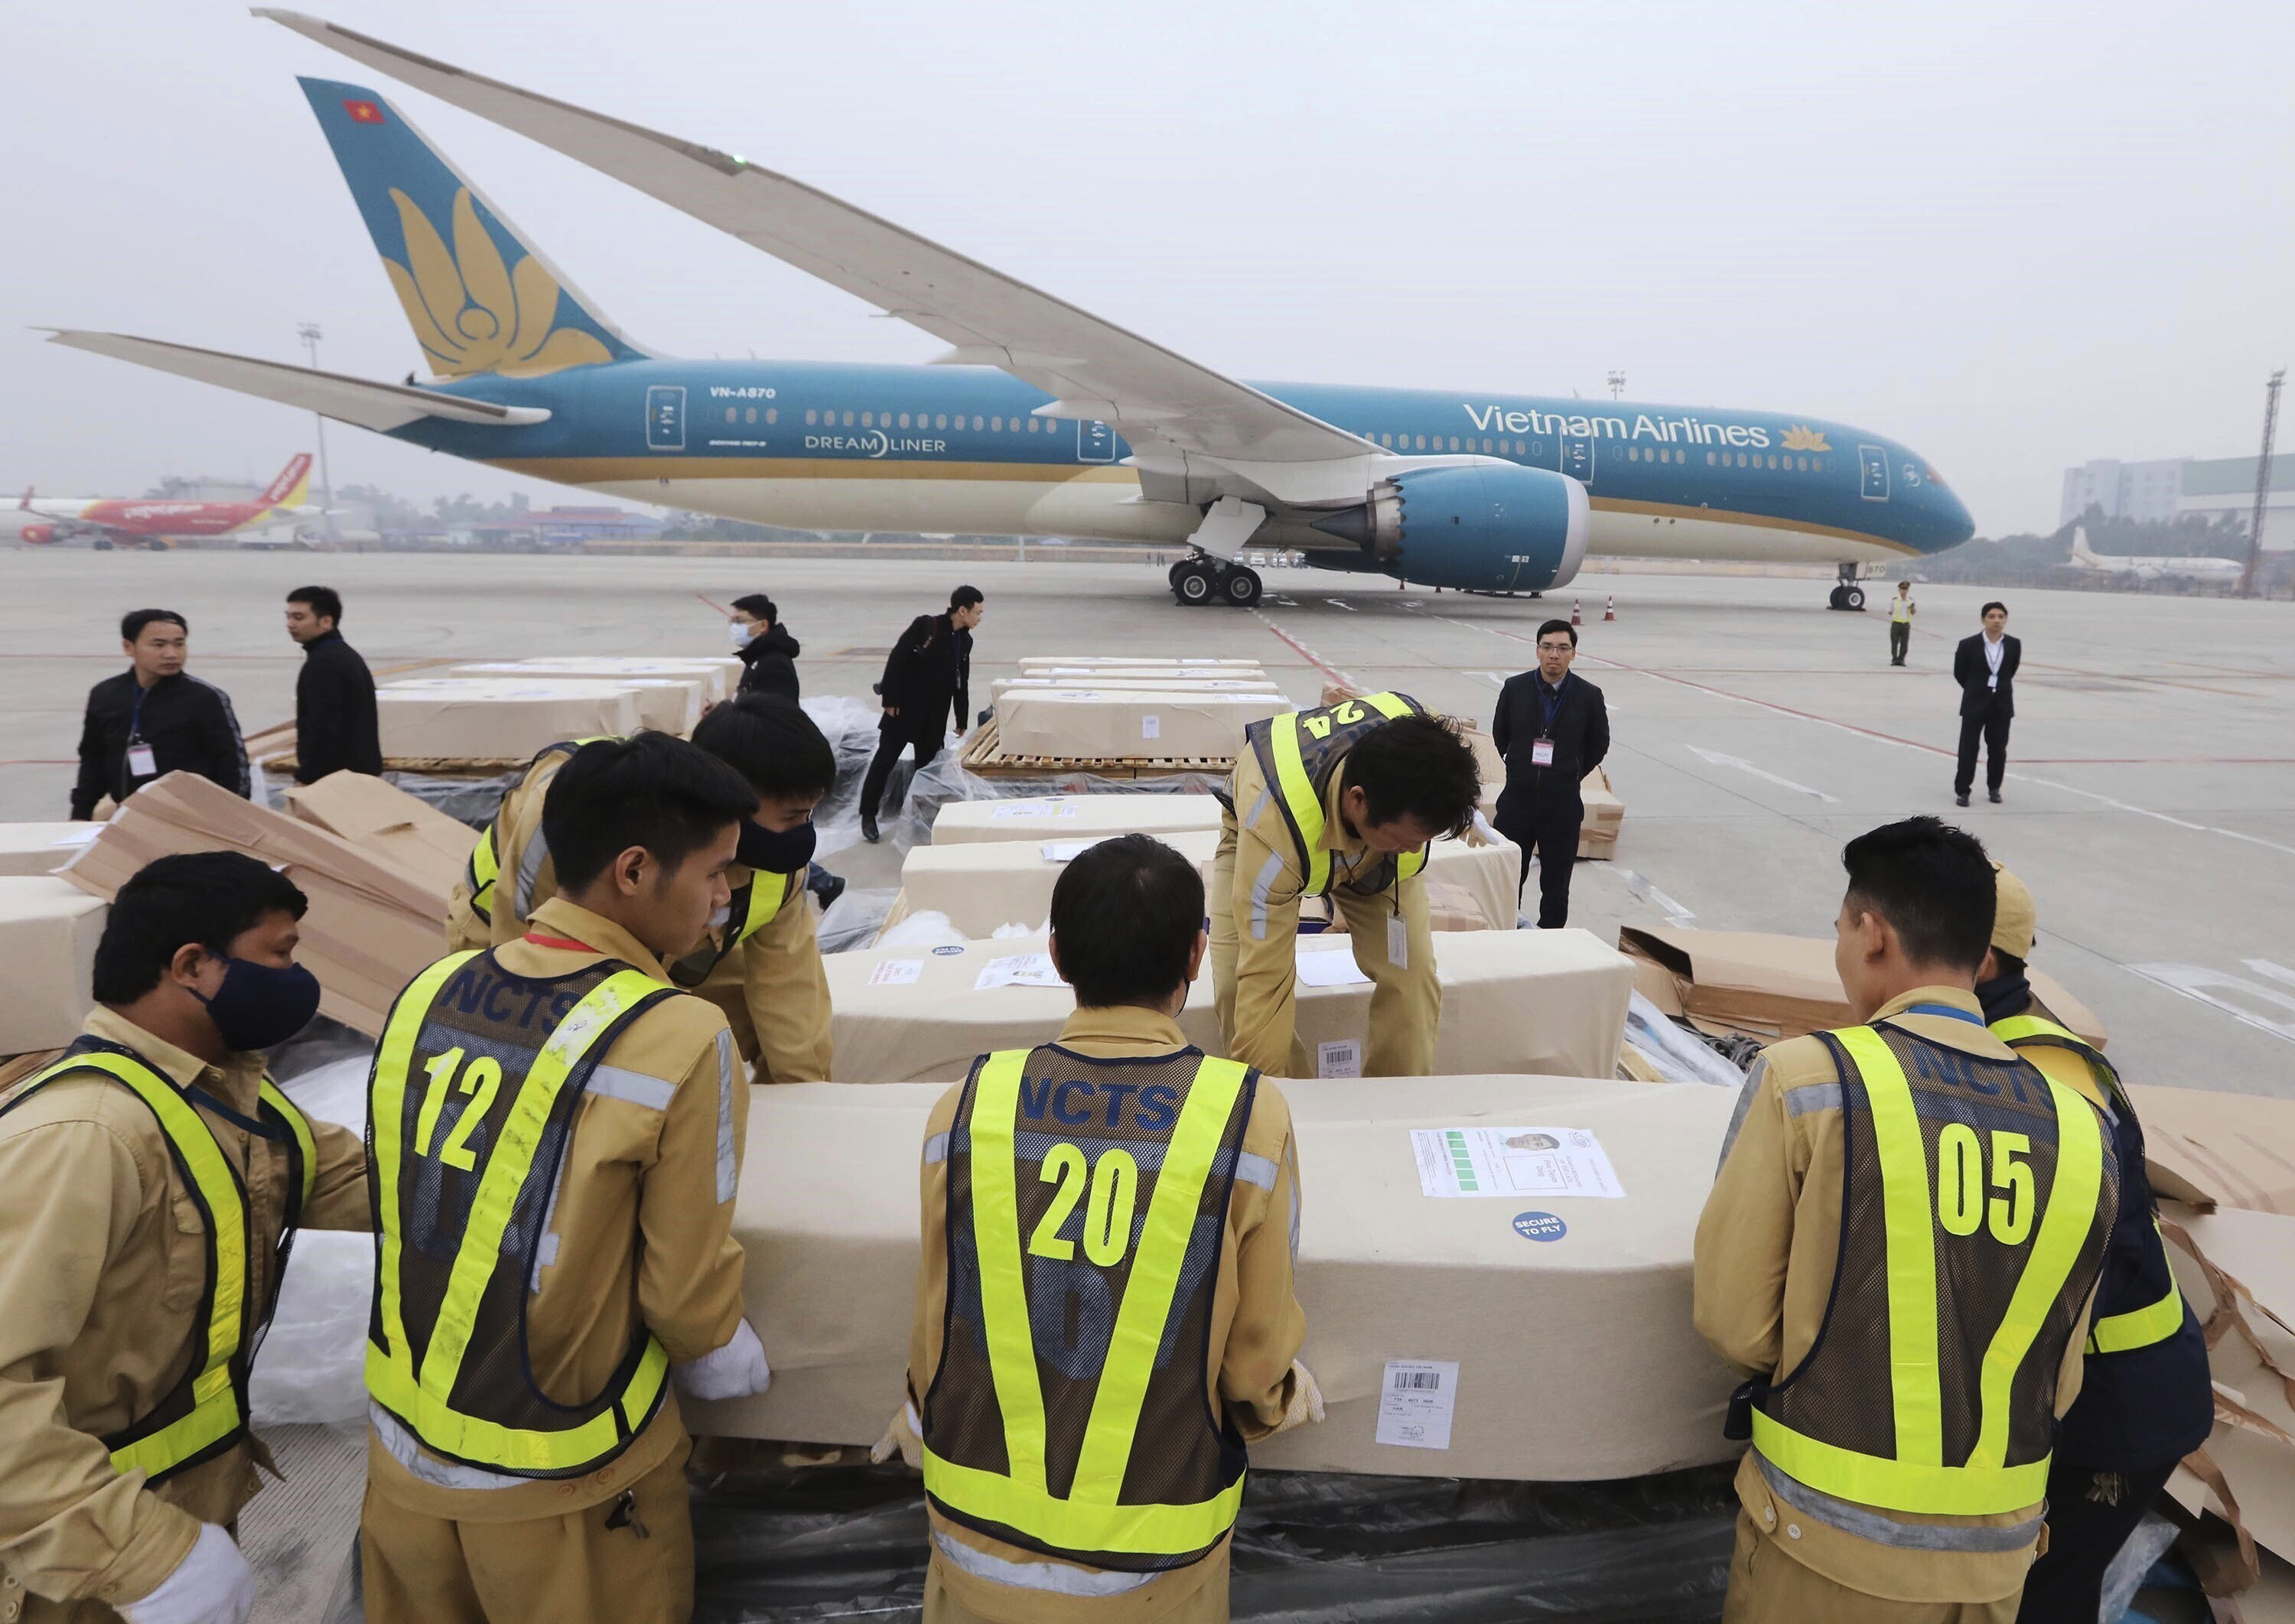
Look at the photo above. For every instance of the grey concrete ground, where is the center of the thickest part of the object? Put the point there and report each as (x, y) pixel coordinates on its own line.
(2151, 803)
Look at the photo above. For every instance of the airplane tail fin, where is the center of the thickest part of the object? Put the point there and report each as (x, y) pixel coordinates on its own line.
(24, 503)
(293, 485)
(2080, 550)
(479, 296)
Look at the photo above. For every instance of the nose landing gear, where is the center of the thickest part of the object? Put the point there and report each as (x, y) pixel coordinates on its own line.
(1847, 595)
(1201, 579)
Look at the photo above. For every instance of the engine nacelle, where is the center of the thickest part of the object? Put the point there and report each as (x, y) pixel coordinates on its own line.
(37, 535)
(1483, 528)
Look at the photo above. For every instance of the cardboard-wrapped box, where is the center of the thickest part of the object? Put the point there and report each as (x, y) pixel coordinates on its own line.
(722, 674)
(1598, 836)
(1102, 724)
(1566, 1316)
(1087, 816)
(378, 816)
(372, 925)
(1138, 684)
(48, 931)
(2208, 1149)
(1769, 987)
(1127, 662)
(497, 718)
(669, 703)
(1551, 1002)
(43, 848)
(987, 884)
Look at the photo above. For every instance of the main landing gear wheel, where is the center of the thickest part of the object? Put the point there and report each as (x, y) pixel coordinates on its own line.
(1847, 595)
(1240, 587)
(1852, 597)
(1191, 583)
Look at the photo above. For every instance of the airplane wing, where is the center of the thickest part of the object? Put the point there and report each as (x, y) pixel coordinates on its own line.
(379, 407)
(1178, 415)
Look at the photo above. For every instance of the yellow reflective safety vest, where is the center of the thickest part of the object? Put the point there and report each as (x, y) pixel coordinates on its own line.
(484, 867)
(2116, 1328)
(473, 1098)
(1298, 753)
(1072, 1412)
(206, 1413)
(1977, 1197)
(756, 902)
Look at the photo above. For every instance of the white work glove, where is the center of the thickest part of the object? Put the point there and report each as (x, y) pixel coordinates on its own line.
(738, 1370)
(212, 1585)
(1481, 833)
(1306, 1401)
(902, 1437)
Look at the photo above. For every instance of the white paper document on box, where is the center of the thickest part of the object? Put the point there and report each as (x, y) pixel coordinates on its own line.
(1331, 967)
(1415, 1402)
(1513, 1162)
(1019, 970)
(1034, 809)
(896, 972)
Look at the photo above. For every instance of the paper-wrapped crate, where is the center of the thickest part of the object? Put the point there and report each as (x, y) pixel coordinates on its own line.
(1557, 1326)
(381, 818)
(43, 848)
(720, 675)
(1091, 817)
(986, 885)
(497, 718)
(1137, 684)
(1105, 724)
(669, 703)
(48, 931)
(1598, 836)
(1546, 1001)
(1113, 661)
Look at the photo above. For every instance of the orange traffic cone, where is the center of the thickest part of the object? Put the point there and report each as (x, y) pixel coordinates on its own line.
(1610, 611)
(1576, 619)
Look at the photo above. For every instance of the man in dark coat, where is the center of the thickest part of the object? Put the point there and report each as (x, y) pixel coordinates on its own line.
(154, 718)
(1985, 667)
(928, 671)
(336, 730)
(1553, 729)
(767, 652)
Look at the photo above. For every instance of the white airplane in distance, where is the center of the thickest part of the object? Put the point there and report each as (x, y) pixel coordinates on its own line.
(2155, 569)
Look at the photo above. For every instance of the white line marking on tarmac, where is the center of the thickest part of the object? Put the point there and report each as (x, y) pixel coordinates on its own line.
(1742, 765)
(1341, 603)
(2198, 980)
(2277, 972)
(1495, 679)
(1675, 914)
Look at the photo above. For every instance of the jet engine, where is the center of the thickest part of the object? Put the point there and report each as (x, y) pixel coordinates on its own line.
(1481, 528)
(37, 535)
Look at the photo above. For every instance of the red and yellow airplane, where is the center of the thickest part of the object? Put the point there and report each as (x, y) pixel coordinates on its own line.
(152, 522)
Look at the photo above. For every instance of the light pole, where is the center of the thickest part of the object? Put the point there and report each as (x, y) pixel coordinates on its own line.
(1617, 383)
(308, 332)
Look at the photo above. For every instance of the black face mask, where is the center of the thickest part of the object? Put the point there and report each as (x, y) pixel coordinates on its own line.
(776, 851)
(260, 1005)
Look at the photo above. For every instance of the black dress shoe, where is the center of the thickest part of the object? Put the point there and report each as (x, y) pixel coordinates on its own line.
(829, 893)
(1994, 796)
(869, 834)
(1959, 798)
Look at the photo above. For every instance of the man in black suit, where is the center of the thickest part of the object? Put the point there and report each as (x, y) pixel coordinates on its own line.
(1553, 729)
(928, 669)
(1985, 667)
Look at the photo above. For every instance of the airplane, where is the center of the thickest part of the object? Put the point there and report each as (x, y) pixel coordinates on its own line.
(151, 522)
(2168, 568)
(1042, 420)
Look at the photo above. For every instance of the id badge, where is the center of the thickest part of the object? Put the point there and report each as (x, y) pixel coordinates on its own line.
(1398, 942)
(142, 763)
(1541, 753)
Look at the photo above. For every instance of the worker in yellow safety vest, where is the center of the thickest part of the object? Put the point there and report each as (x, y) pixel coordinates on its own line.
(556, 1134)
(151, 1180)
(1902, 1248)
(1336, 801)
(1120, 1322)
(761, 962)
(2145, 1397)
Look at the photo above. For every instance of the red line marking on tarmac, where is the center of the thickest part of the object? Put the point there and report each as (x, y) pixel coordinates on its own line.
(1312, 658)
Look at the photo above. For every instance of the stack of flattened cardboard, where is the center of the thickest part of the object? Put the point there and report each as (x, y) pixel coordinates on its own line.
(1598, 836)
(1536, 1325)
(43, 848)
(380, 818)
(48, 933)
(1744, 983)
(2224, 1167)
(1086, 817)
(984, 884)
(373, 922)
(669, 704)
(1091, 723)
(497, 718)
(1551, 1002)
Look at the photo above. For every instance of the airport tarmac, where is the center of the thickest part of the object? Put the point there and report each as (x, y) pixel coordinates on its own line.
(2151, 799)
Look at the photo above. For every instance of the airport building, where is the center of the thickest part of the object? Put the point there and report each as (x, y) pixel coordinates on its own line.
(2170, 489)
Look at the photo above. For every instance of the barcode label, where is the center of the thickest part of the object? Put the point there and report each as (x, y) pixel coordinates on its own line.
(1418, 1381)
(1415, 1403)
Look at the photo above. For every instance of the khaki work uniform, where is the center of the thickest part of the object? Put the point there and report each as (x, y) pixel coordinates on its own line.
(1257, 881)
(103, 1271)
(643, 1237)
(771, 986)
(1767, 1246)
(1257, 1327)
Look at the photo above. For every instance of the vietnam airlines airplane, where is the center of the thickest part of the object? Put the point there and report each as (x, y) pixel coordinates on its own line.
(1041, 418)
(152, 522)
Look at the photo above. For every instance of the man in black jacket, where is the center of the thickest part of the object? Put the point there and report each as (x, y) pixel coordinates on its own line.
(767, 652)
(928, 669)
(1985, 667)
(1553, 729)
(336, 729)
(153, 719)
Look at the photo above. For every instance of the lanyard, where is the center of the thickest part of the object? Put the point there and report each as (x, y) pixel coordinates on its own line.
(1551, 707)
(135, 716)
(1943, 1009)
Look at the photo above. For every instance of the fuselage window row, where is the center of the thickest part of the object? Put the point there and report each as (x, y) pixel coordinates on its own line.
(816, 418)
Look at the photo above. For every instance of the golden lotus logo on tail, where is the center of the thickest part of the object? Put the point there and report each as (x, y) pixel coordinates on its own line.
(1800, 439)
(472, 314)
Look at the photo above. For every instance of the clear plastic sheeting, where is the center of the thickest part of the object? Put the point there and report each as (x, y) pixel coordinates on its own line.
(948, 779)
(1678, 1053)
(311, 1367)
(473, 801)
(853, 919)
(777, 1545)
(930, 928)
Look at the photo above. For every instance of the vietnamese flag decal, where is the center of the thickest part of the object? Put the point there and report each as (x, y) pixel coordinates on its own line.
(363, 112)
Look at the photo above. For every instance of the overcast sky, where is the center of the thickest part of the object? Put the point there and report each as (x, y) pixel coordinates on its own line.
(2014, 236)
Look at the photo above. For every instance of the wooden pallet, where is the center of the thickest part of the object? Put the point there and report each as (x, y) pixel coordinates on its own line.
(983, 753)
(435, 766)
